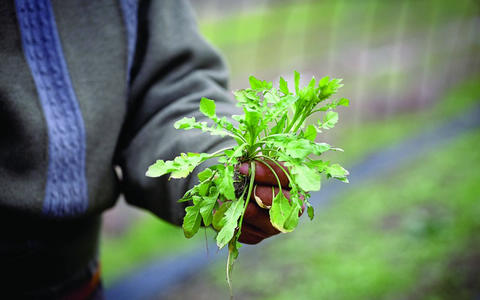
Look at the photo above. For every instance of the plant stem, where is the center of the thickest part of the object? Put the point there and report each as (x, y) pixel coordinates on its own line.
(273, 135)
(280, 166)
(295, 117)
(250, 188)
(273, 171)
(228, 271)
(235, 238)
(265, 149)
(221, 150)
(300, 124)
(241, 138)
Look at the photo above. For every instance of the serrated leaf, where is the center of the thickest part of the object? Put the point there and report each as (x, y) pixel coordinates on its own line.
(296, 76)
(283, 214)
(310, 133)
(185, 123)
(159, 168)
(191, 221)
(180, 167)
(343, 102)
(271, 98)
(231, 222)
(238, 151)
(318, 165)
(225, 182)
(202, 188)
(324, 81)
(207, 107)
(337, 171)
(205, 174)
(283, 86)
(299, 148)
(191, 123)
(330, 119)
(207, 205)
(280, 125)
(254, 82)
(218, 219)
(308, 179)
(319, 148)
(253, 123)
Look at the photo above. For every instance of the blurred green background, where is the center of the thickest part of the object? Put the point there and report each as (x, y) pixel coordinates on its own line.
(414, 233)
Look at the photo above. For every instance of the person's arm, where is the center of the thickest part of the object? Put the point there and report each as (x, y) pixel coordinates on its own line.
(172, 70)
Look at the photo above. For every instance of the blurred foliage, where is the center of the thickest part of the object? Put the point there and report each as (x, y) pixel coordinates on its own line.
(304, 33)
(147, 238)
(376, 134)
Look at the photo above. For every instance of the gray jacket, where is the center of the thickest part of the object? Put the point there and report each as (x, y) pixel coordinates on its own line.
(86, 85)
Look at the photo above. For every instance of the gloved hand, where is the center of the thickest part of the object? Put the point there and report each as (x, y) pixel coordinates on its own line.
(256, 222)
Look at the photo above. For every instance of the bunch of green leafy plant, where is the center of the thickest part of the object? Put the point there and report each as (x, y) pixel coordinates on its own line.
(271, 130)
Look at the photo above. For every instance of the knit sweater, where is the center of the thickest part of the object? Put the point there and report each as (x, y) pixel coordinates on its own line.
(87, 85)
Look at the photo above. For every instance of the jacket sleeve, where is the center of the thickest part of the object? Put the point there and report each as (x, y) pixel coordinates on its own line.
(172, 70)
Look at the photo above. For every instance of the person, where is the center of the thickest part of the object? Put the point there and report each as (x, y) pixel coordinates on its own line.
(87, 85)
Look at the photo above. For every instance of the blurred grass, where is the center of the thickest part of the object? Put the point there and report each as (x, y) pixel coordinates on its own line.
(299, 33)
(410, 235)
(310, 16)
(147, 238)
(371, 135)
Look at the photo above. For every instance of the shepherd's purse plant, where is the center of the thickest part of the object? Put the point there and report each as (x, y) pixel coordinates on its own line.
(272, 129)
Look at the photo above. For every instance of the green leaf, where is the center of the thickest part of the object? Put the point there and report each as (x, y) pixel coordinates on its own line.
(310, 133)
(337, 171)
(300, 148)
(159, 168)
(185, 123)
(191, 123)
(343, 102)
(202, 188)
(207, 205)
(218, 217)
(225, 182)
(280, 125)
(330, 119)
(319, 148)
(318, 165)
(310, 211)
(308, 179)
(205, 174)
(255, 83)
(231, 222)
(191, 221)
(271, 98)
(296, 76)
(283, 86)
(283, 215)
(323, 82)
(180, 167)
(207, 107)
(238, 150)
(253, 123)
